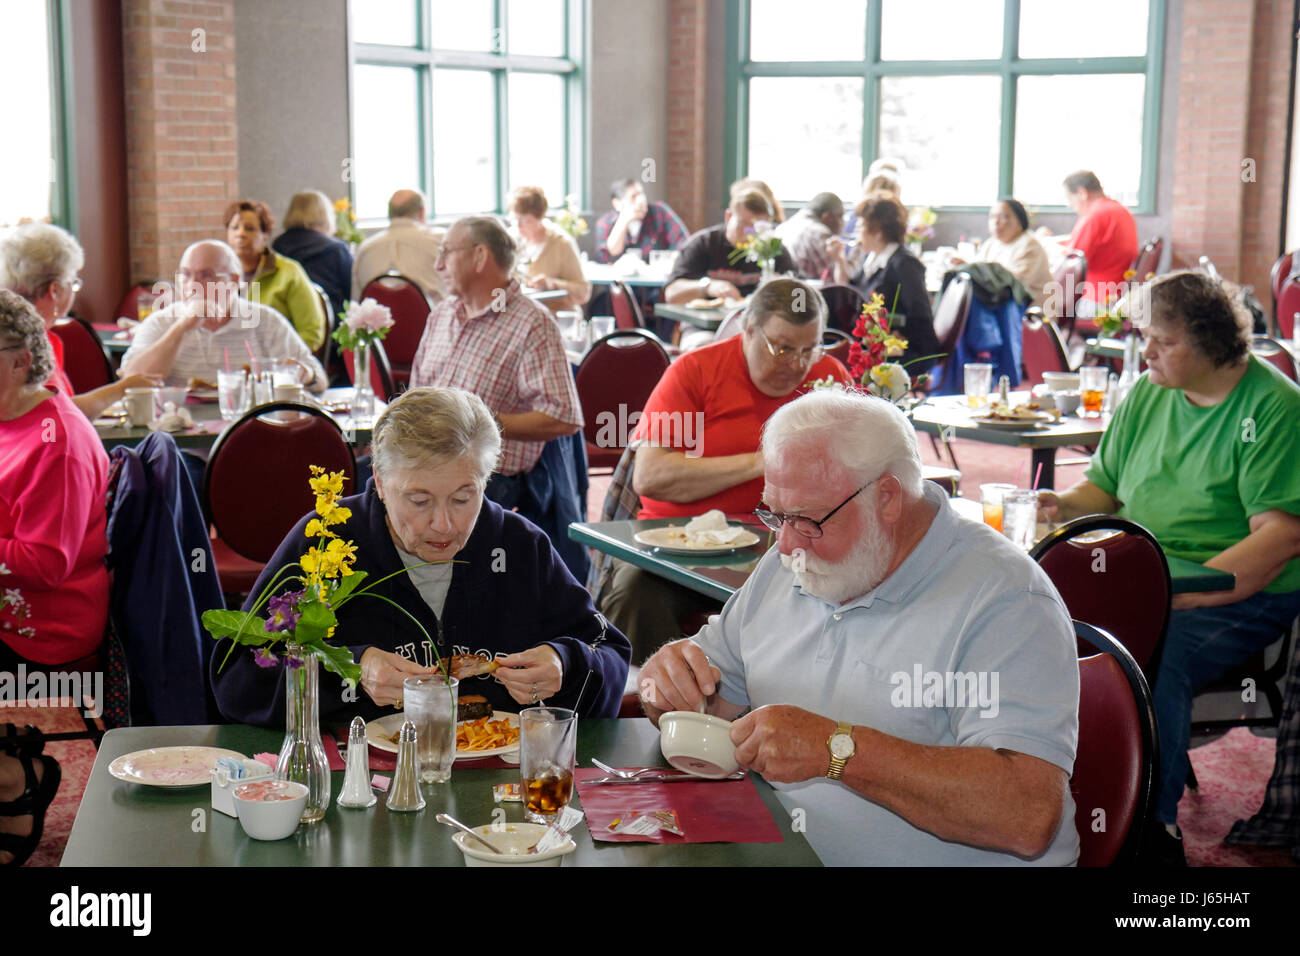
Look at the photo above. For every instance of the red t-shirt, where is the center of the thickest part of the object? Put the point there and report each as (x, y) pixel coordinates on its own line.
(58, 377)
(715, 380)
(53, 523)
(1108, 237)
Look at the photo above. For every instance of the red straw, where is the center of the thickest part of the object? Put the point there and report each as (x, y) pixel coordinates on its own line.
(1038, 474)
(249, 349)
(1019, 471)
(226, 352)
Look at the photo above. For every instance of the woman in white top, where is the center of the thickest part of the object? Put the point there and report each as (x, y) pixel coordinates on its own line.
(548, 257)
(1010, 244)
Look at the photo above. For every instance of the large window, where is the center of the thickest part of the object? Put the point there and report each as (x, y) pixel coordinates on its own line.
(465, 99)
(977, 98)
(33, 184)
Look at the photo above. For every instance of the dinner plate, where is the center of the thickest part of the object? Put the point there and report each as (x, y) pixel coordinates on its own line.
(1013, 425)
(672, 541)
(170, 766)
(379, 731)
(203, 394)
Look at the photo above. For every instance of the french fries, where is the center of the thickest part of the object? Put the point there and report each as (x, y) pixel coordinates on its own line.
(485, 734)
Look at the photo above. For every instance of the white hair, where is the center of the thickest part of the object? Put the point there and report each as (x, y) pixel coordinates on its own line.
(436, 425)
(36, 254)
(232, 261)
(867, 435)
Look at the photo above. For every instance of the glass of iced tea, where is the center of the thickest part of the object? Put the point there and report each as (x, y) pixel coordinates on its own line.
(991, 498)
(1092, 389)
(548, 738)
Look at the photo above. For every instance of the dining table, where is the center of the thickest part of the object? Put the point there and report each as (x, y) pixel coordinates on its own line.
(706, 319)
(124, 824)
(604, 273)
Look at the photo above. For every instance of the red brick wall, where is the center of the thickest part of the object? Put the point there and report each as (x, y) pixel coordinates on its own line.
(1266, 138)
(688, 172)
(182, 157)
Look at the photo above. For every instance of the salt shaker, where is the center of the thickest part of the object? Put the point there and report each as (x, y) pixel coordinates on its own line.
(356, 791)
(1004, 390)
(404, 793)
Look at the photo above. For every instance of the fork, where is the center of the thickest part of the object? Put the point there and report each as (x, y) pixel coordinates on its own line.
(625, 774)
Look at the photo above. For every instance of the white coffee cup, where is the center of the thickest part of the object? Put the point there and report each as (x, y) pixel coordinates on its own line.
(141, 407)
(288, 393)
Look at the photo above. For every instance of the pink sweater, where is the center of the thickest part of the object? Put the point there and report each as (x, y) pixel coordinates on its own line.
(53, 481)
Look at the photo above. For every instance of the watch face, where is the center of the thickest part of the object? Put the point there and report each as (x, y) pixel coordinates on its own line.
(842, 746)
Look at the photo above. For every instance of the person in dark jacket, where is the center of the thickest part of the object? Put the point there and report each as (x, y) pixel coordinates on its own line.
(897, 275)
(500, 590)
(308, 237)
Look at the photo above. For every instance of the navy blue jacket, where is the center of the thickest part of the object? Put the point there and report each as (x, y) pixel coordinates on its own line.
(328, 261)
(901, 283)
(164, 578)
(509, 592)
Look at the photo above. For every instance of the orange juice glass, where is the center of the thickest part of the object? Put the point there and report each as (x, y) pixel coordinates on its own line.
(991, 498)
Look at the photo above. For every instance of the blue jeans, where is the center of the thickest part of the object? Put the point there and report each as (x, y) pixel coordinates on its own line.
(1201, 645)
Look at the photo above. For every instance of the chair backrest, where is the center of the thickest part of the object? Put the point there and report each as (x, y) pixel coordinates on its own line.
(1280, 272)
(951, 313)
(85, 361)
(1069, 277)
(410, 308)
(1043, 347)
(1273, 351)
(1288, 304)
(381, 373)
(1148, 259)
(615, 379)
(331, 322)
(843, 306)
(1119, 582)
(255, 482)
(836, 344)
(1114, 765)
(627, 313)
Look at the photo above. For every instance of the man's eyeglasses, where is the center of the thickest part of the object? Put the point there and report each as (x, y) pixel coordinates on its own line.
(444, 251)
(804, 525)
(204, 277)
(802, 356)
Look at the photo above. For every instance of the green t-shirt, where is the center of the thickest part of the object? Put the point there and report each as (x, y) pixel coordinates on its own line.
(1194, 477)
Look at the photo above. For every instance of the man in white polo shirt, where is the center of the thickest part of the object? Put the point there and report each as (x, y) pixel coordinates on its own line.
(907, 678)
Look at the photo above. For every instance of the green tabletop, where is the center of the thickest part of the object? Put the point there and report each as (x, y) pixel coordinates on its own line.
(603, 273)
(109, 338)
(707, 319)
(1106, 348)
(122, 824)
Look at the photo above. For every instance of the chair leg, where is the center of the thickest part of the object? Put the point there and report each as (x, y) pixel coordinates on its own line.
(947, 447)
(1192, 783)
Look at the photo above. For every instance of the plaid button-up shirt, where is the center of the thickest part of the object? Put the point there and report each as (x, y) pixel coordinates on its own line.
(660, 229)
(512, 358)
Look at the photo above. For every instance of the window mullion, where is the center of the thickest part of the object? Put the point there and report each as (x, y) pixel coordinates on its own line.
(871, 88)
(1010, 56)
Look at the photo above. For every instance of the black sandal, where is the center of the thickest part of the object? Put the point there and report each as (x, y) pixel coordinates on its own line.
(33, 802)
(31, 743)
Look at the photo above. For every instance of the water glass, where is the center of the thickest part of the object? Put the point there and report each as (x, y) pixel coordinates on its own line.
(547, 742)
(231, 393)
(978, 377)
(601, 326)
(1092, 389)
(991, 496)
(1020, 517)
(430, 704)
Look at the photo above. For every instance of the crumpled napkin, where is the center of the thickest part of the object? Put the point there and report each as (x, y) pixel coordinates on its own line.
(711, 528)
(174, 419)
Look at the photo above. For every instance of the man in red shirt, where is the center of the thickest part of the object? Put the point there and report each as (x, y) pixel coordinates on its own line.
(697, 441)
(1106, 233)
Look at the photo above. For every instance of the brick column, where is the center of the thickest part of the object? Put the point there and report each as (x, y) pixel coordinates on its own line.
(182, 157)
(687, 111)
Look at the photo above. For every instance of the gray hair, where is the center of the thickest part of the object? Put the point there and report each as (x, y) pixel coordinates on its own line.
(232, 261)
(796, 302)
(21, 324)
(35, 255)
(310, 209)
(867, 435)
(436, 425)
(489, 231)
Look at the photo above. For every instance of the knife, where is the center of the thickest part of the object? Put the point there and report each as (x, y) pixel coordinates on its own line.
(667, 778)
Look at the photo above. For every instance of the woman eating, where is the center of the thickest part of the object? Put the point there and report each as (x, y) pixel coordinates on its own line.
(497, 588)
(547, 255)
(1202, 453)
(1011, 245)
(273, 280)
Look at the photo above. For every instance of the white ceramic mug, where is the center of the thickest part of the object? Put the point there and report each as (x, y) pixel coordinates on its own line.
(141, 407)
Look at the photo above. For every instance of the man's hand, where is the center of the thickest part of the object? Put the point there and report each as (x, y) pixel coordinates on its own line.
(722, 289)
(532, 675)
(1049, 506)
(382, 674)
(784, 743)
(305, 374)
(835, 248)
(678, 677)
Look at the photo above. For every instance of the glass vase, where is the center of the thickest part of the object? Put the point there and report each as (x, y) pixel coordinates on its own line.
(363, 392)
(302, 755)
(766, 271)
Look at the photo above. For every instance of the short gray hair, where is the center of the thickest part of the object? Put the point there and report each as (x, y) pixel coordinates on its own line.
(796, 302)
(310, 209)
(436, 425)
(232, 260)
(489, 231)
(867, 435)
(21, 324)
(36, 254)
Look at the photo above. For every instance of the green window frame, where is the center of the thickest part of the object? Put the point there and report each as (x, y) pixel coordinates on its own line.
(425, 57)
(1009, 67)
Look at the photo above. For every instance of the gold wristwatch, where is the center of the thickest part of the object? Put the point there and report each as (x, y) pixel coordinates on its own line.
(842, 747)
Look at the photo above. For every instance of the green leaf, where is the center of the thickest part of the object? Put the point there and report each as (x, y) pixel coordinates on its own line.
(338, 660)
(314, 624)
(347, 586)
(239, 626)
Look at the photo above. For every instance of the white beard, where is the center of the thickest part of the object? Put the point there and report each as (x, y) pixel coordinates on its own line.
(862, 569)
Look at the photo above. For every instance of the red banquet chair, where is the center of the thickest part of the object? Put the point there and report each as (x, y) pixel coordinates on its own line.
(614, 381)
(1043, 348)
(1288, 304)
(627, 312)
(1114, 765)
(255, 484)
(1069, 278)
(1275, 353)
(85, 361)
(1278, 275)
(1148, 259)
(843, 306)
(410, 308)
(950, 317)
(381, 374)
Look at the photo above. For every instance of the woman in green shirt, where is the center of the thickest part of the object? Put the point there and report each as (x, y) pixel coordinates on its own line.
(1203, 452)
(273, 279)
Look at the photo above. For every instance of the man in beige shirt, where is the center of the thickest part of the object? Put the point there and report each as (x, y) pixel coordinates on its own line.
(407, 246)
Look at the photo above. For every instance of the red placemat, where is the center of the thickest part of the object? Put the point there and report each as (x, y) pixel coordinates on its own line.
(708, 811)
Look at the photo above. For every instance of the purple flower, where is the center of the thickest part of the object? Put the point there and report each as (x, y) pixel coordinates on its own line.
(283, 611)
(263, 657)
(293, 662)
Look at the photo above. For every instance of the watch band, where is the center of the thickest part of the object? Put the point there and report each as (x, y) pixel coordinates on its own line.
(836, 770)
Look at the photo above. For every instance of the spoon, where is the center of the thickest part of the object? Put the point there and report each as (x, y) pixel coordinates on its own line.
(451, 821)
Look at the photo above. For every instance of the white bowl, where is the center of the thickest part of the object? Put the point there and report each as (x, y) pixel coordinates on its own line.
(1061, 381)
(513, 839)
(1068, 402)
(264, 819)
(699, 744)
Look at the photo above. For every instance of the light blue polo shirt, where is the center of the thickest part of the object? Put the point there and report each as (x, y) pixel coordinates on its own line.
(966, 644)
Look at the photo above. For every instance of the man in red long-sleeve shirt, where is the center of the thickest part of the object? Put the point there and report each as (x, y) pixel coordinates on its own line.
(1106, 233)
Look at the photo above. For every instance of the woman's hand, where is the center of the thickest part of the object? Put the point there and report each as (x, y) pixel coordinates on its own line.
(531, 676)
(305, 375)
(1049, 506)
(382, 674)
(544, 282)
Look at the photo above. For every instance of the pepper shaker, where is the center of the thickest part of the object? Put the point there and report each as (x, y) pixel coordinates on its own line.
(404, 794)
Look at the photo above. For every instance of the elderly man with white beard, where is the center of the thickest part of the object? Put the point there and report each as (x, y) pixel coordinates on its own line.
(904, 677)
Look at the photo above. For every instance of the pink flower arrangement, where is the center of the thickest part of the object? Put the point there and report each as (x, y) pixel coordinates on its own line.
(363, 322)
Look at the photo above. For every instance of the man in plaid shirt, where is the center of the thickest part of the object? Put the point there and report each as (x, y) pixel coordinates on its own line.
(636, 223)
(488, 338)
(813, 238)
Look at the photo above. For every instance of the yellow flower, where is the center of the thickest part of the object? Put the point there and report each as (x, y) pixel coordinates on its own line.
(894, 346)
(341, 555)
(339, 515)
(322, 483)
(316, 529)
(1129, 273)
(341, 204)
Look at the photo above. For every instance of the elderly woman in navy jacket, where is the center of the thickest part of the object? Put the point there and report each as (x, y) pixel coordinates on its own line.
(501, 593)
